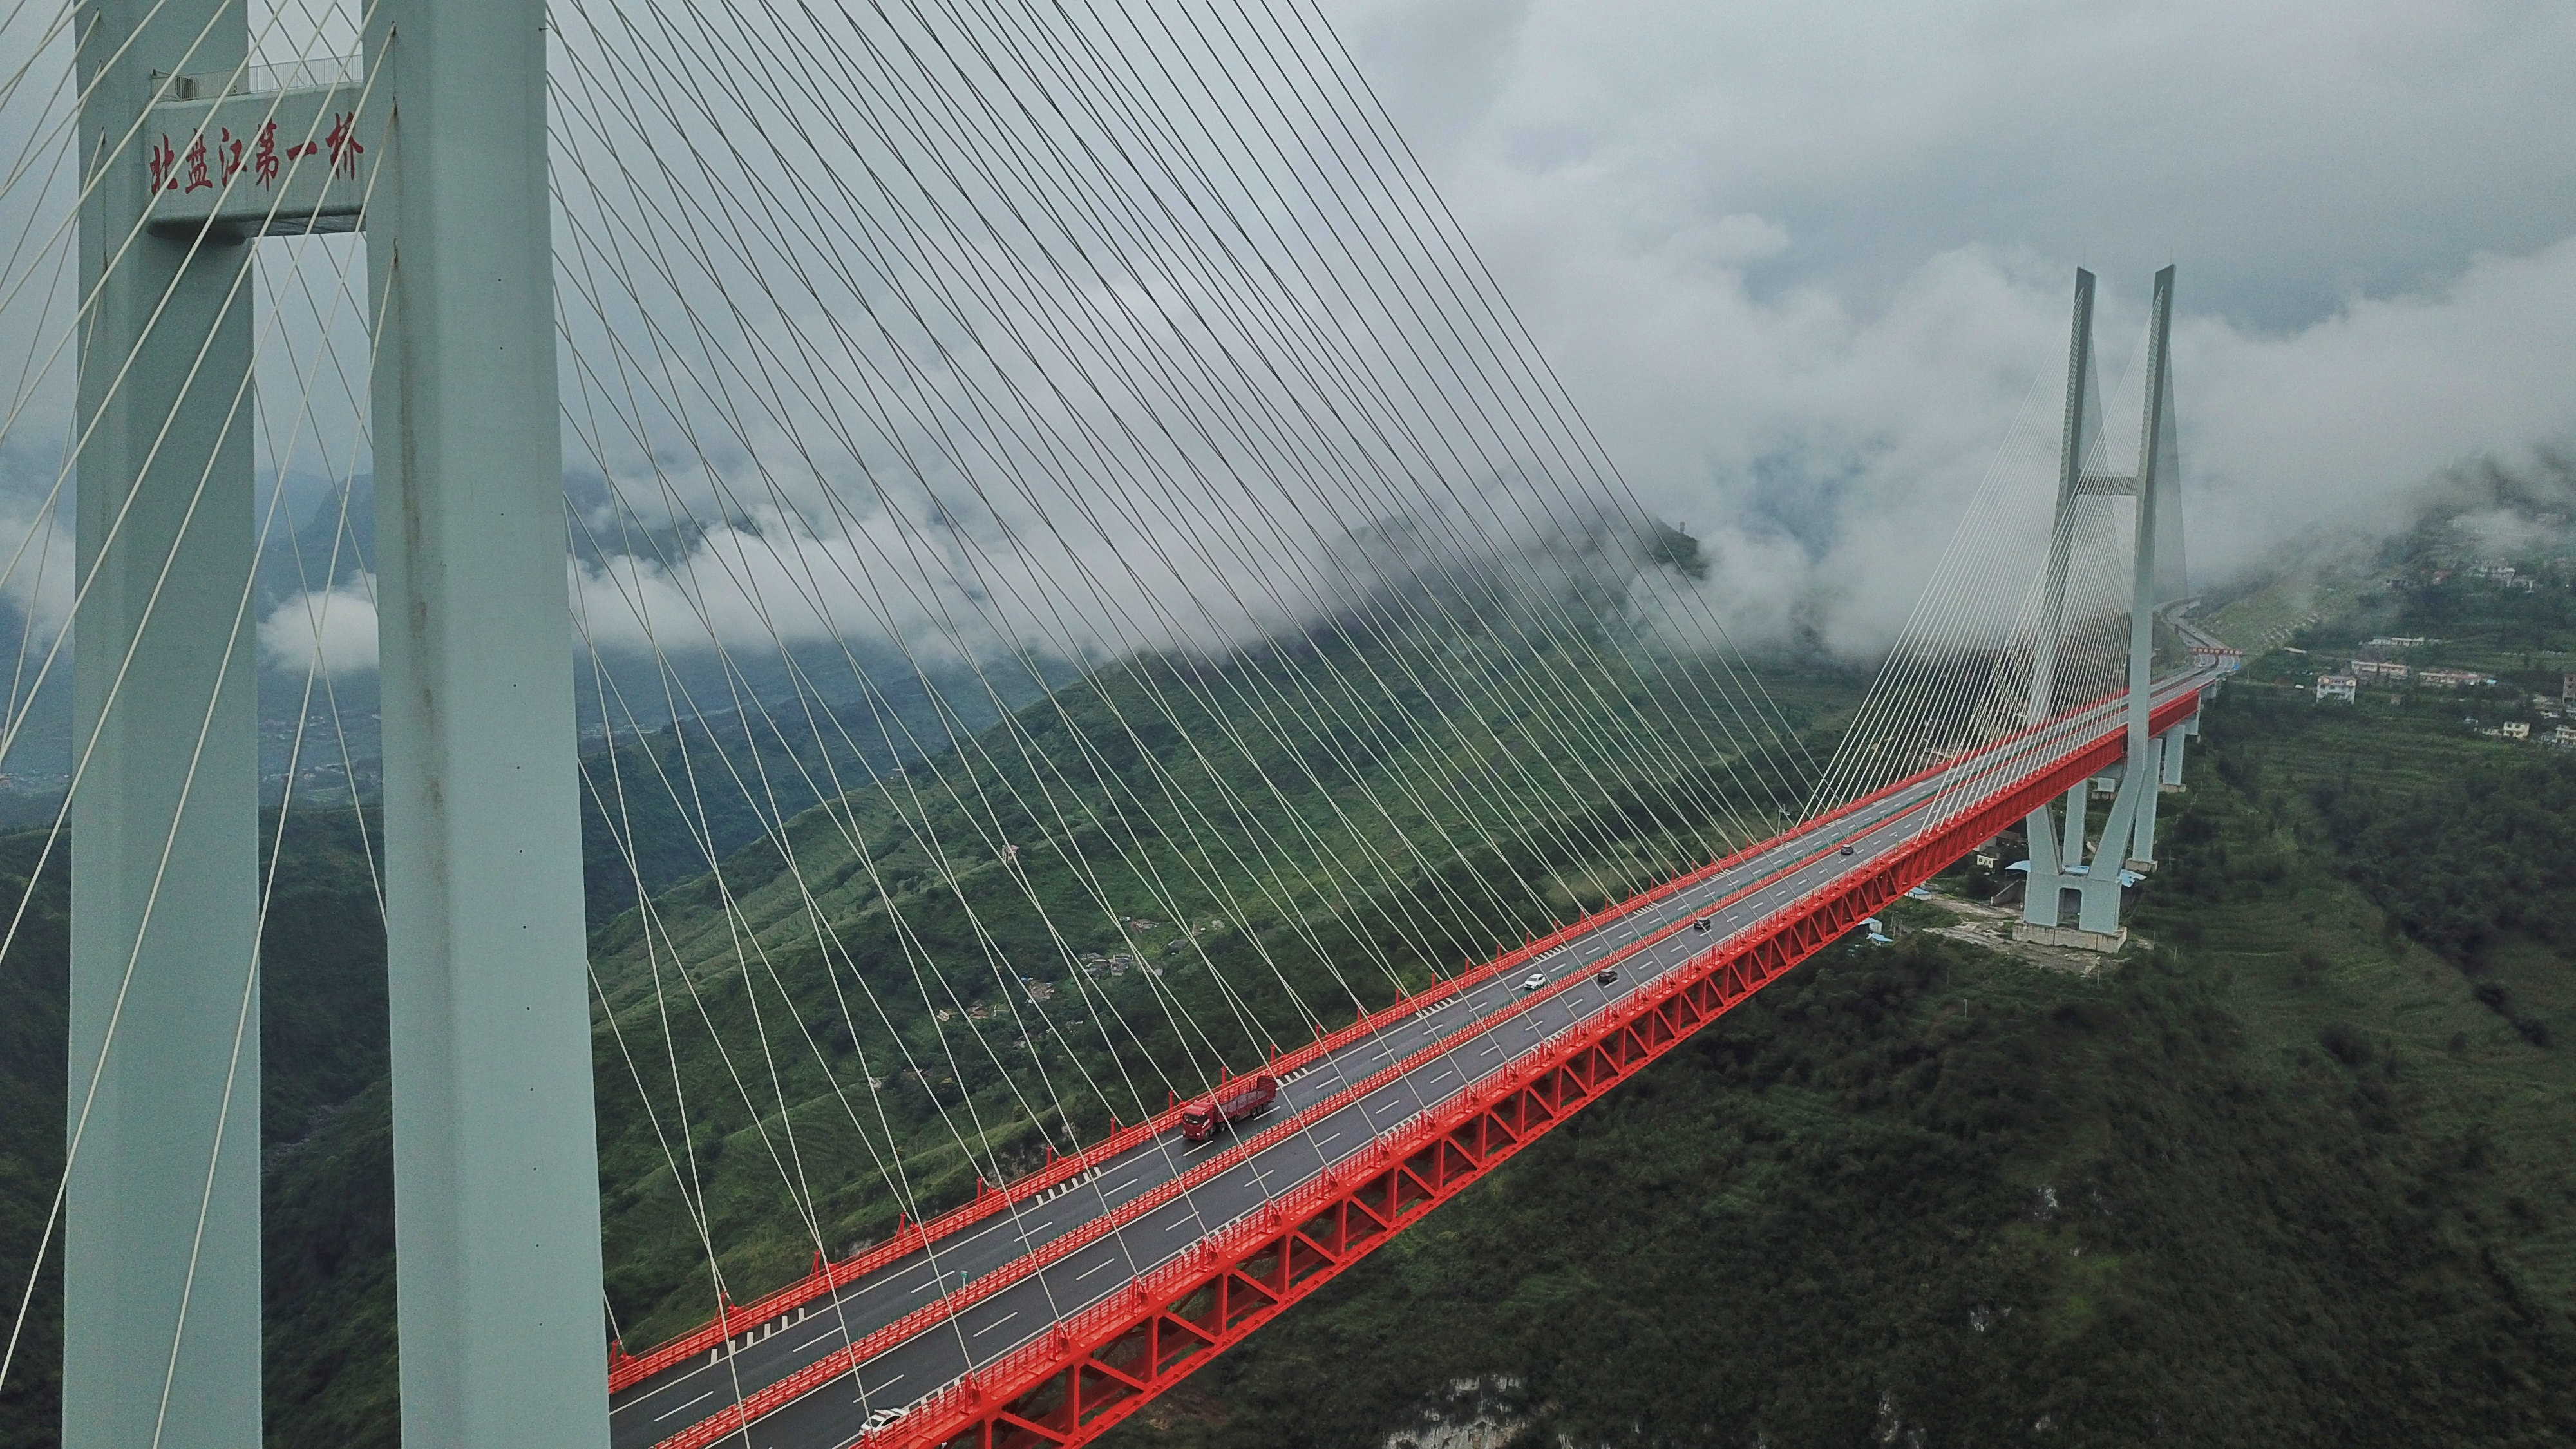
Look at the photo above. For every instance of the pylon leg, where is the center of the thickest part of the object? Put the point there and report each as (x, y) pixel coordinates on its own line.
(165, 814)
(496, 1179)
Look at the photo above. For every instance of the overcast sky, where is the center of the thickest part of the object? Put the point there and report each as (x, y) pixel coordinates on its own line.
(1803, 266)
(1803, 257)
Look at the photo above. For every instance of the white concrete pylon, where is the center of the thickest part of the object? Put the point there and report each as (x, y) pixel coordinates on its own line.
(2127, 842)
(496, 1177)
(495, 1160)
(161, 1319)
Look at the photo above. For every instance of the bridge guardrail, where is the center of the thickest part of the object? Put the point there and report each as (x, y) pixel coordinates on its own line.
(1815, 917)
(796, 1385)
(625, 1370)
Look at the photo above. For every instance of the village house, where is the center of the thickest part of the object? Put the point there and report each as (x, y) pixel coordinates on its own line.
(2379, 671)
(2336, 686)
(1096, 966)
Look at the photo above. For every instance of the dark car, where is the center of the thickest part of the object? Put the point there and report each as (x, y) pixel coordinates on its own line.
(1700, 925)
(1847, 850)
(1606, 975)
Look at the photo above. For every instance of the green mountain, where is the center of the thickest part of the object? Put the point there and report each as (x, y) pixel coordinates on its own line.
(2292, 1175)
(2295, 1170)
(1152, 872)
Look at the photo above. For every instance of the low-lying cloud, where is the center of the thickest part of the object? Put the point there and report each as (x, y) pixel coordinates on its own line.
(332, 629)
(1804, 267)
(1805, 272)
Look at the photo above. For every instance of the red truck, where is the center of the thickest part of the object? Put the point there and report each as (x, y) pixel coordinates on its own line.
(1232, 1102)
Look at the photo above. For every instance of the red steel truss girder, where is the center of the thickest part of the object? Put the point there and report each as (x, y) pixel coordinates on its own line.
(626, 1370)
(1441, 1151)
(1064, 1393)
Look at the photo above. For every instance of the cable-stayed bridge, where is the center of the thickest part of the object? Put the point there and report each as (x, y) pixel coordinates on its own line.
(1095, 1283)
(1174, 627)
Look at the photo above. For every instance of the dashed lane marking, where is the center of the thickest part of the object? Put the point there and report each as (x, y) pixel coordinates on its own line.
(666, 1413)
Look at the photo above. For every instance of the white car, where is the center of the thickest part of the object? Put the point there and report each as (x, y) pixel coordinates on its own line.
(881, 1420)
(1534, 981)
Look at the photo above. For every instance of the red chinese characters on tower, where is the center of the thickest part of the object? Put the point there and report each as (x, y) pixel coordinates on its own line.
(343, 141)
(207, 164)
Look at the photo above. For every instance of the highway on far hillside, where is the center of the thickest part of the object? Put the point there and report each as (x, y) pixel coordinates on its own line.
(1511, 1019)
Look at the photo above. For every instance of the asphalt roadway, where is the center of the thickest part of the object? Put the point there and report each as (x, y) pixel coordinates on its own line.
(1512, 1022)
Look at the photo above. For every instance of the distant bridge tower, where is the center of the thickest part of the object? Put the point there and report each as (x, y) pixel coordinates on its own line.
(436, 149)
(2073, 896)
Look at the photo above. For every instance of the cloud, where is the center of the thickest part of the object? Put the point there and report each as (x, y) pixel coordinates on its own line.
(37, 568)
(1805, 271)
(1805, 268)
(335, 627)
(2291, 155)
(2344, 421)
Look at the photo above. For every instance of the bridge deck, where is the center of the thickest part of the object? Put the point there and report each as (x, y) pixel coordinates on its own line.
(1427, 1056)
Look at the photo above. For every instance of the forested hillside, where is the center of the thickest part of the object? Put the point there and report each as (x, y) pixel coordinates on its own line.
(2293, 1170)
(2289, 1176)
(890, 984)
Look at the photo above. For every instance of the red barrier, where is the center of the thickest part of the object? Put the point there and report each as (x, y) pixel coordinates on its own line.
(1107, 1361)
(626, 1370)
(1061, 1390)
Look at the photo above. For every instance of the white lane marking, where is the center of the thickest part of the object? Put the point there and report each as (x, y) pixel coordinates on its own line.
(666, 1413)
(865, 1394)
(1176, 1223)
(1104, 1265)
(817, 1338)
(1532, 1025)
(996, 1323)
(1328, 1141)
